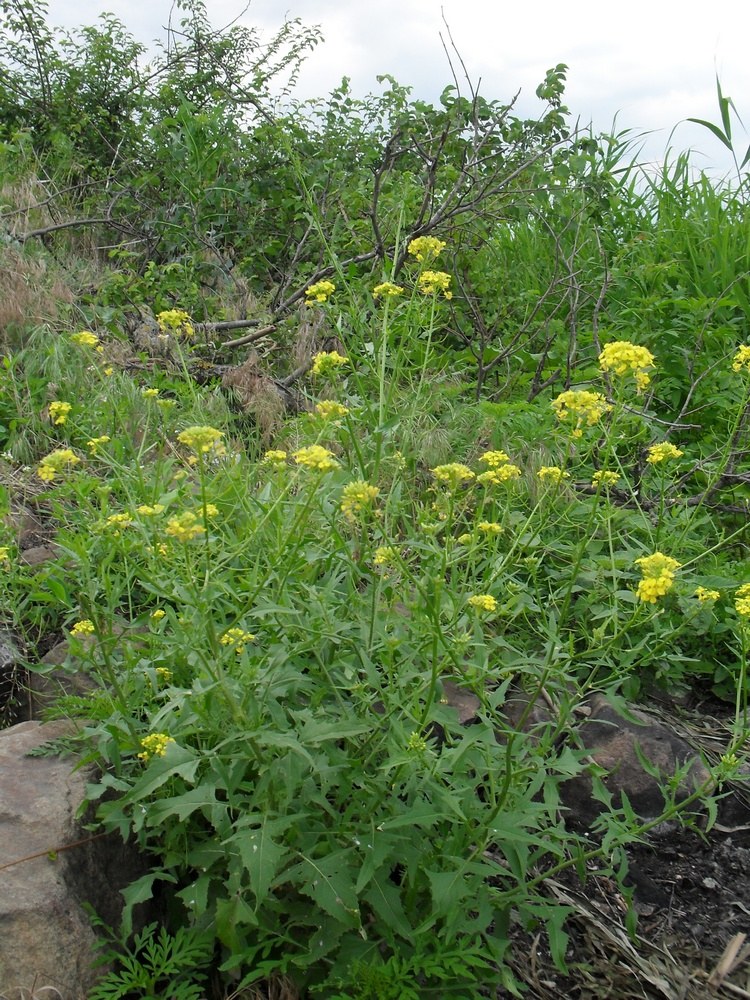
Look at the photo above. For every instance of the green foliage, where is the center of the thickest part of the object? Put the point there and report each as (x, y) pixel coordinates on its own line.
(158, 964)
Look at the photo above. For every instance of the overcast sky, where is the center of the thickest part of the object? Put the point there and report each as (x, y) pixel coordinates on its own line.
(651, 63)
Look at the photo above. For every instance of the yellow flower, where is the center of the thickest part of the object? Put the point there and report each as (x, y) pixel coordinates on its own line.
(464, 539)
(327, 363)
(658, 576)
(94, 443)
(84, 627)
(553, 472)
(426, 247)
(275, 457)
(330, 410)
(108, 370)
(4, 556)
(118, 521)
(184, 527)
(432, 282)
(320, 291)
(489, 527)
(148, 510)
(582, 407)
(237, 638)
(176, 322)
(356, 497)
(58, 412)
(453, 474)
(704, 594)
(742, 601)
(157, 615)
(164, 674)
(604, 478)
(494, 458)
(661, 452)
(211, 510)
(384, 555)
(154, 745)
(482, 602)
(203, 440)
(85, 339)
(500, 474)
(387, 289)
(150, 393)
(742, 359)
(316, 457)
(55, 462)
(622, 357)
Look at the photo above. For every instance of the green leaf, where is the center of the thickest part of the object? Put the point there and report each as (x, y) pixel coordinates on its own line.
(261, 856)
(385, 900)
(329, 882)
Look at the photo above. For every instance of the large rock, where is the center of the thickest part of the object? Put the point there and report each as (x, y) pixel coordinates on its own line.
(50, 866)
(638, 755)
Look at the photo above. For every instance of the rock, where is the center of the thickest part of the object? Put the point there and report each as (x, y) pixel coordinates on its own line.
(50, 867)
(37, 555)
(45, 686)
(627, 748)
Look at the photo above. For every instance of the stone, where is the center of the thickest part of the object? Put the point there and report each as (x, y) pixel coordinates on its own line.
(49, 867)
(620, 744)
(37, 555)
(54, 678)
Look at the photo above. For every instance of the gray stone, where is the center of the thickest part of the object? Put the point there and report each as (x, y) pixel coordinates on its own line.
(50, 866)
(627, 747)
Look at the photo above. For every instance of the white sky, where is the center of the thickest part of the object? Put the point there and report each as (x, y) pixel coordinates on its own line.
(651, 63)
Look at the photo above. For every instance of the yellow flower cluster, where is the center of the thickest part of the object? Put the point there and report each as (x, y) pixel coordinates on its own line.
(154, 745)
(387, 289)
(658, 576)
(118, 522)
(164, 674)
(704, 594)
(275, 457)
(356, 497)
(489, 527)
(320, 291)
(86, 339)
(84, 627)
(58, 412)
(237, 638)
(494, 458)
(742, 359)
(150, 393)
(453, 474)
(150, 510)
(94, 443)
(184, 527)
(176, 322)
(328, 409)
(157, 615)
(742, 601)
(416, 744)
(55, 462)
(426, 247)
(4, 554)
(327, 363)
(384, 555)
(500, 474)
(482, 602)
(203, 440)
(582, 406)
(553, 473)
(603, 477)
(432, 282)
(622, 357)
(316, 457)
(661, 452)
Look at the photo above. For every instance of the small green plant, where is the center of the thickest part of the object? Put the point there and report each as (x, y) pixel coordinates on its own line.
(158, 965)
